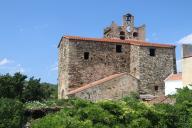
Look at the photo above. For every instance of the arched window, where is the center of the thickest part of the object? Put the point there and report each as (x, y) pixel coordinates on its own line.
(122, 35)
(135, 34)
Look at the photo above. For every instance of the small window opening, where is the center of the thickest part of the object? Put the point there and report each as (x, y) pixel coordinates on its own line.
(86, 55)
(152, 52)
(118, 48)
(122, 35)
(135, 34)
(156, 88)
(128, 17)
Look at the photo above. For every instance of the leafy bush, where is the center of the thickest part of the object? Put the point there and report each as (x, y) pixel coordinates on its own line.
(140, 123)
(11, 113)
(129, 112)
(104, 114)
(183, 95)
(35, 105)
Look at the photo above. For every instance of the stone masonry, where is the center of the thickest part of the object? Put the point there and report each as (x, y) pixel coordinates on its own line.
(127, 30)
(113, 87)
(86, 60)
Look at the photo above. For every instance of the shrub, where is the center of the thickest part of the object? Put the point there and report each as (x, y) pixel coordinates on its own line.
(61, 120)
(140, 123)
(85, 114)
(184, 94)
(129, 112)
(11, 113)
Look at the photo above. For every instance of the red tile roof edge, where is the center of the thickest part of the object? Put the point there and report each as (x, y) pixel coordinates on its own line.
(159, 99)
(95, 83)
(187, 57)
(177, 76)
(116, 40)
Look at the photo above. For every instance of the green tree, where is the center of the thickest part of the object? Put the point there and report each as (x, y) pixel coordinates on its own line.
(12, 86)
(50, 90)
(33, 90)
(19, 82)
(17, 87)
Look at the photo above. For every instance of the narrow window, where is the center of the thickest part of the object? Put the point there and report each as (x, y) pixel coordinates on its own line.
(118, 48)
(62, 94)
(156, 88)
(86, 55)
(122, 35)
(152, 51)
(135, 34)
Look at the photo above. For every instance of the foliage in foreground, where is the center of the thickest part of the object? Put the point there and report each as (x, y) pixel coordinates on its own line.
(105, 114)
(11, 113)
(126, 113)
(33, 105)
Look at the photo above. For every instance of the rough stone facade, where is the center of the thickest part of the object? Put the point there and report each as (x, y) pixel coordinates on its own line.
(85, 60)
(114, 88)
(126, 31)
(155, 69)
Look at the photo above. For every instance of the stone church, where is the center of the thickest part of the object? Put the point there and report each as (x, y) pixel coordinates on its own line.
(113, 66)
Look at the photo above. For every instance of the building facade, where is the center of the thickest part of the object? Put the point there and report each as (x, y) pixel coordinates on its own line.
(187, 64)
(172, 83)
(84, 61)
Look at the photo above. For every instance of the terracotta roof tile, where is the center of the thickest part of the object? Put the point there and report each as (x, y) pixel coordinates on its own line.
(95, 83)
(187, 57)
(174, 77)
(116, 40)
(162, 99)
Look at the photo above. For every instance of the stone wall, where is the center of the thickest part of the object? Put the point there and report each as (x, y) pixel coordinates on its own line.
(128, 28)
(138, 33)
(115, 88)
(63, 68)
(103, 61)
(134, 59)
(155, 69)
(141, 33)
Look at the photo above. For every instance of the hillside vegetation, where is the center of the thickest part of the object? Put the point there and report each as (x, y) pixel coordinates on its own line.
(17, 94)
(126, 113)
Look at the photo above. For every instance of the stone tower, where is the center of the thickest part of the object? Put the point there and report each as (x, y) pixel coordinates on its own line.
(126, 31)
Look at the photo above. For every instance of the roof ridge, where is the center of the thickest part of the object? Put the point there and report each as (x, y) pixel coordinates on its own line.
(165, 97)
(117, 40)
(95, 83)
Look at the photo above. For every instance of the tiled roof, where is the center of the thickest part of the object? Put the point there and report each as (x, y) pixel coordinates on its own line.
(95, 83)
(146, 96)
(174, 77)
(162, 99)
(116, 40)
(187, 57)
